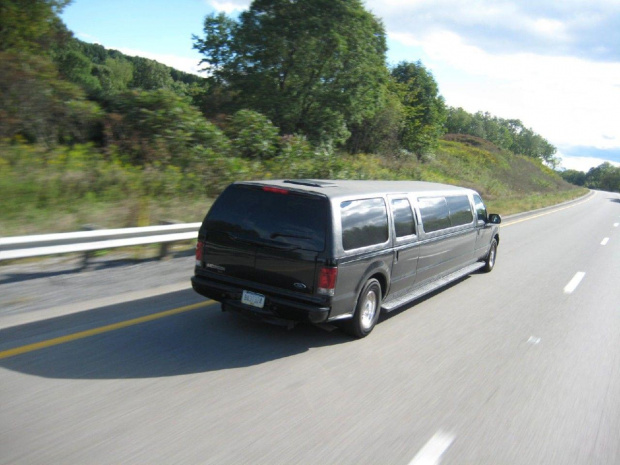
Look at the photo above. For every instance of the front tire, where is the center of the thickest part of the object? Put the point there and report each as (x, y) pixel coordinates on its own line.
(367, 310)
(489, 262)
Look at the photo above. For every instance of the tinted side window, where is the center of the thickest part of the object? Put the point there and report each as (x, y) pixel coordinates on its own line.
(403, 217)
(481, 210)
(364, 223)
(435, 213)
(460, 210)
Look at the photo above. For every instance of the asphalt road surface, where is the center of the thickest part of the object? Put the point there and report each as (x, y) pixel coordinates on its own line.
(519, 366)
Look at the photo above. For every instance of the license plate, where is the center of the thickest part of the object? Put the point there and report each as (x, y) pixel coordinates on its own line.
(253, 299)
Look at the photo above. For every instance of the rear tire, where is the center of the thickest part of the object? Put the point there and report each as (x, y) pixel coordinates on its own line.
(489, 262)
(367, 310)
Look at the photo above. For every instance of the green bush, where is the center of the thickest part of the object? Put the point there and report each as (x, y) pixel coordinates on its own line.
(253, 135)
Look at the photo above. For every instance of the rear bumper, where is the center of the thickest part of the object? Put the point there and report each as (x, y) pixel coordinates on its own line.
(275, 306)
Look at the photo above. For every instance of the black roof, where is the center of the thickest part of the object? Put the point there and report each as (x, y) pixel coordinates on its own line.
(344, 188)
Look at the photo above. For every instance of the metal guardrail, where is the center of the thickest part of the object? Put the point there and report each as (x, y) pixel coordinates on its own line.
(87, 241)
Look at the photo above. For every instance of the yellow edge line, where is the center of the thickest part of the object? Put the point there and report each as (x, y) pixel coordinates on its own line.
(547, 213)
(100, 330)
(156, 316)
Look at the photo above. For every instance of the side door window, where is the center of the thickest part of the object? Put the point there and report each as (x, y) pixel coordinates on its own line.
(404, 224)
(435, 214)
(460, 210)
(364, 223)
(481, 210)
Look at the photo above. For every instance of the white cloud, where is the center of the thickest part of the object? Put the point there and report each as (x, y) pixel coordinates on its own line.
(569, 101)
(546, 27)
(229, 7)
(187, 64)
(582, 163)
(87, 37)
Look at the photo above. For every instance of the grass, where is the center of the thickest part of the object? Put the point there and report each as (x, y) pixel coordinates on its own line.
(63, 189)
(511, 205)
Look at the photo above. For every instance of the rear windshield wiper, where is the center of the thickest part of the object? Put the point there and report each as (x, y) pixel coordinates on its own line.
(294, 236)
(263, 242)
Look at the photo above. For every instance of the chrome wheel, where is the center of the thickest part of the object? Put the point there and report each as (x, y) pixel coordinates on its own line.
(492, 257)
(369, 309)
(489, 262)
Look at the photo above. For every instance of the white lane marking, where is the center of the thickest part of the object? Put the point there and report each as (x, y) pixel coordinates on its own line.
(616, 225)
(572, 285)
(605, 241)
(534, 340)
(432, 451)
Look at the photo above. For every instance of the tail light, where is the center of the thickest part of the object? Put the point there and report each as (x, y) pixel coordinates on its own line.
(327, 280)
(199, 253)
(275, 190)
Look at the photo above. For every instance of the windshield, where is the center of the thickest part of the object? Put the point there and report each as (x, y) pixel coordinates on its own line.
(250, 213)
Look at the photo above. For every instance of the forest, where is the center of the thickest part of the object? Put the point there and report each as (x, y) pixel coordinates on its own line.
(290, 89)
(325, 81)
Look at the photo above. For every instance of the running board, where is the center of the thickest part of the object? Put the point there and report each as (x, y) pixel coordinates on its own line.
(430, 287)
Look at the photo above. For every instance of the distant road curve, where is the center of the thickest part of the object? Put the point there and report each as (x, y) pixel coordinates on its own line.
(517, 366)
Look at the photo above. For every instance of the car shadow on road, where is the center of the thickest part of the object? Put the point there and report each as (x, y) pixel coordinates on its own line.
(195, 341)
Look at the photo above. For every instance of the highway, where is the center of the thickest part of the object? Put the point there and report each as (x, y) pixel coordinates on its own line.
(519, 366)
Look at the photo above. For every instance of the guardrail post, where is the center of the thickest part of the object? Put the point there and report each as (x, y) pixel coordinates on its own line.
(88, 254)
(164, 247)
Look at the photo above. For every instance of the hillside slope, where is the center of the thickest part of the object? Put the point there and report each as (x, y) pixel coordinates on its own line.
(64, 188)
(509, 182)
(495, 171)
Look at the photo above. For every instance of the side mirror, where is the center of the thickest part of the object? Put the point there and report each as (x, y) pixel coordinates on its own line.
(494, 218)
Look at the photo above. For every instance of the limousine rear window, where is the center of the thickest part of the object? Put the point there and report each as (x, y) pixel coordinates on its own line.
(256, 214)
(435, 213)
(364, 223)
(460, 210)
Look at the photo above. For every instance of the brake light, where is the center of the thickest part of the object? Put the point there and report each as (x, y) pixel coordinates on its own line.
(275, 190)
(327, 280)
(199, 253)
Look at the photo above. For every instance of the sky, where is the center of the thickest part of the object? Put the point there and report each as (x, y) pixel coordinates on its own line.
(553, 64)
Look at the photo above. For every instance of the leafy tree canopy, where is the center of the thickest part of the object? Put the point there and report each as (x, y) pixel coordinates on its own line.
(31, 25)
(605, 177)
(510, 134)
(311, 66)
(424, 107)
(40, 106)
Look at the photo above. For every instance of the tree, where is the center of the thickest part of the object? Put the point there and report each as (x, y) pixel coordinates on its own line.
(578, 178)
(115, 75)
(380, 132)
(509, 134)
(253, 135)
(311, 66)
(458, 121)
(77, 68)
(604, 177)
(424, 108)
(31, 25)
(150, 75)
(159, 126)
(494, 130)
(36, 104)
